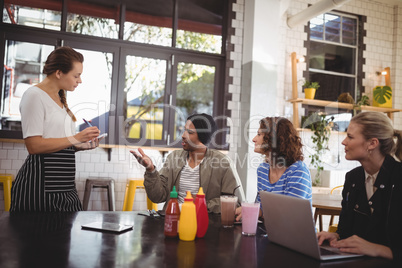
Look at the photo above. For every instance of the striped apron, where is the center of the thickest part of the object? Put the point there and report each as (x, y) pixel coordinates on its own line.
(46, 183)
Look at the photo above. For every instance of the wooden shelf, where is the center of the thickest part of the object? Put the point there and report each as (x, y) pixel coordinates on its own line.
(331, 104)
(341, 105)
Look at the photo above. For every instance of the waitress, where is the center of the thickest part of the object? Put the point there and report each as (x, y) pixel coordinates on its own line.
(46, 181)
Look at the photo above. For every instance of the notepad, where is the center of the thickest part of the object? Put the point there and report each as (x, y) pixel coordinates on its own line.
(107, 227)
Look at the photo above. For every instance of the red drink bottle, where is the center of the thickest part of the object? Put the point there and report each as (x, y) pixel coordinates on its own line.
(202, 213)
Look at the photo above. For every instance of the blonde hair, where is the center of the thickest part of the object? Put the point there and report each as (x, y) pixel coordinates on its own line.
(378, 125)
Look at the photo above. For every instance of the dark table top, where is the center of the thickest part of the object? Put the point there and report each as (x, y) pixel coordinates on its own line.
(57, 240)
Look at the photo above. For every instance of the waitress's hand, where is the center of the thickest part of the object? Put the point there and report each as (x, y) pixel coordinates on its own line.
(358, 245)
(88, 134)
(87, 139)
(144, 160)
(89, 145)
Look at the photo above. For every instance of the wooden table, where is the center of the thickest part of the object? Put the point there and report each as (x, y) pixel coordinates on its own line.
(57, 240)
(326, 204)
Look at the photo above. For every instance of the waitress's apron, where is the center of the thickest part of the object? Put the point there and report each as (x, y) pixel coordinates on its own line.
(46, 183)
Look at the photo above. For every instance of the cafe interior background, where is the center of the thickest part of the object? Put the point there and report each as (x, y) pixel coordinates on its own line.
(238, 60)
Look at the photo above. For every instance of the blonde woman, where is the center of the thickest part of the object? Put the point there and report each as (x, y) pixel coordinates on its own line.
(46, 181)
(371, 217)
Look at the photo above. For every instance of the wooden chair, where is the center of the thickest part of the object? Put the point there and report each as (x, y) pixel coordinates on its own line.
(333, 227)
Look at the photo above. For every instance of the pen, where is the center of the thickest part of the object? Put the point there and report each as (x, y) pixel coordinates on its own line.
(86, 122)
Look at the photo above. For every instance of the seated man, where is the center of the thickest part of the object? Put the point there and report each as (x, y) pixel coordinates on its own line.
(191, 168)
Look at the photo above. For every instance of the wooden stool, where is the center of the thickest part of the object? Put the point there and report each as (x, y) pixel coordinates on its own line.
(107, 183)
(6, 179)
(131, 187)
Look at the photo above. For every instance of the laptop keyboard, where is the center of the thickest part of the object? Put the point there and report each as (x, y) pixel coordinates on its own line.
(326, 252)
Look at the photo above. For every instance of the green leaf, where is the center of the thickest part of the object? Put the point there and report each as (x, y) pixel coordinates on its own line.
(381, 94)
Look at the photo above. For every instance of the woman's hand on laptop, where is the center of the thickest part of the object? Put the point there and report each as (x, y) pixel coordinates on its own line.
(358, 245)
(330, 237)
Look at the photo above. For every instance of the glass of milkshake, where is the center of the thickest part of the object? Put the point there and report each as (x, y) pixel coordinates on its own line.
(228, 209)
(249, 213)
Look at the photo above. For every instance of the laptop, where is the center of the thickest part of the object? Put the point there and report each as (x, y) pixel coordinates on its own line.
(289, 223)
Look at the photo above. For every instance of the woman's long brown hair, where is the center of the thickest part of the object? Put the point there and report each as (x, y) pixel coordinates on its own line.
(62, 59)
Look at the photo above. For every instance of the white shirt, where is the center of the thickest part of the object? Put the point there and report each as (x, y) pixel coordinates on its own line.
(189, 181)
(42, 116)
(370, 183)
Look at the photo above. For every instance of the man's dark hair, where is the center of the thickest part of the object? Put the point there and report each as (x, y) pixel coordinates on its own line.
(205, 126)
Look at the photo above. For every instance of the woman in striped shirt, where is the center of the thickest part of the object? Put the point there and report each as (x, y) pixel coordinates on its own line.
(283, 170)
(46, 181)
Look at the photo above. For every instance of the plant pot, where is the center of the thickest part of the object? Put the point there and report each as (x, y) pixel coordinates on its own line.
(388, 100)
(309, 93)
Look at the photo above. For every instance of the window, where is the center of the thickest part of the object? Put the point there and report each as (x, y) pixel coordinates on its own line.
(147, 64)
(45, 15)
(22, 68)
(333, 52)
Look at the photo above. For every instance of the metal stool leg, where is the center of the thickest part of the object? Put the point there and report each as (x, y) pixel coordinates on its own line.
(87, 194)
(106, 183)
(111, 198)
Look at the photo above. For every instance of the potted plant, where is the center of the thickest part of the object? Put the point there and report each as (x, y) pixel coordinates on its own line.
(382, 96)
(310, 89)
(364, 100)
(321, 127)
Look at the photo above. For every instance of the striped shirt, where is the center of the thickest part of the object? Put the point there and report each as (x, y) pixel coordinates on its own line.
(189, 181)
(295, 181)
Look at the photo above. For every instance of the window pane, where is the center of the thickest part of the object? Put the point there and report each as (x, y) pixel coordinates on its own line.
(43, 14)
(316, 27)
(91, 100)
(333, 58)
(149, 22)
(332, 27)
(195, 91)
(144, 98)
(349, 35)
(331, 86)
(200, 25)
(98, 19)
(23, 66)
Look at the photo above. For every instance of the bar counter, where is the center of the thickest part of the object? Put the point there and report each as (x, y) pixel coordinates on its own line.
(57, 240)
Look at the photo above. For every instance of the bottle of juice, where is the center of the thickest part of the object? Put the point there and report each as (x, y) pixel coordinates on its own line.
(172, 215)
(202, 213)
(188, 219)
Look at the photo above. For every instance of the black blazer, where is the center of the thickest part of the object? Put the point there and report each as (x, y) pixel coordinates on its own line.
(384, 225)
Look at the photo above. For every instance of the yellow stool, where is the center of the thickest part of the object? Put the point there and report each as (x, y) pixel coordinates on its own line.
(6, 179)
(131, 187)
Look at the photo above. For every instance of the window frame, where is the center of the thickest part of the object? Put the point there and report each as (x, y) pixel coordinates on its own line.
(118, 47)
(358, 60)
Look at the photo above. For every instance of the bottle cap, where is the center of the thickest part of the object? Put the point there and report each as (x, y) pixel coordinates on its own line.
(173, 193)
(200, 192)
(189, 197)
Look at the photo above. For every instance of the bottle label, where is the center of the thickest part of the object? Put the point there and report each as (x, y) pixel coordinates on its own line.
(171, 223)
